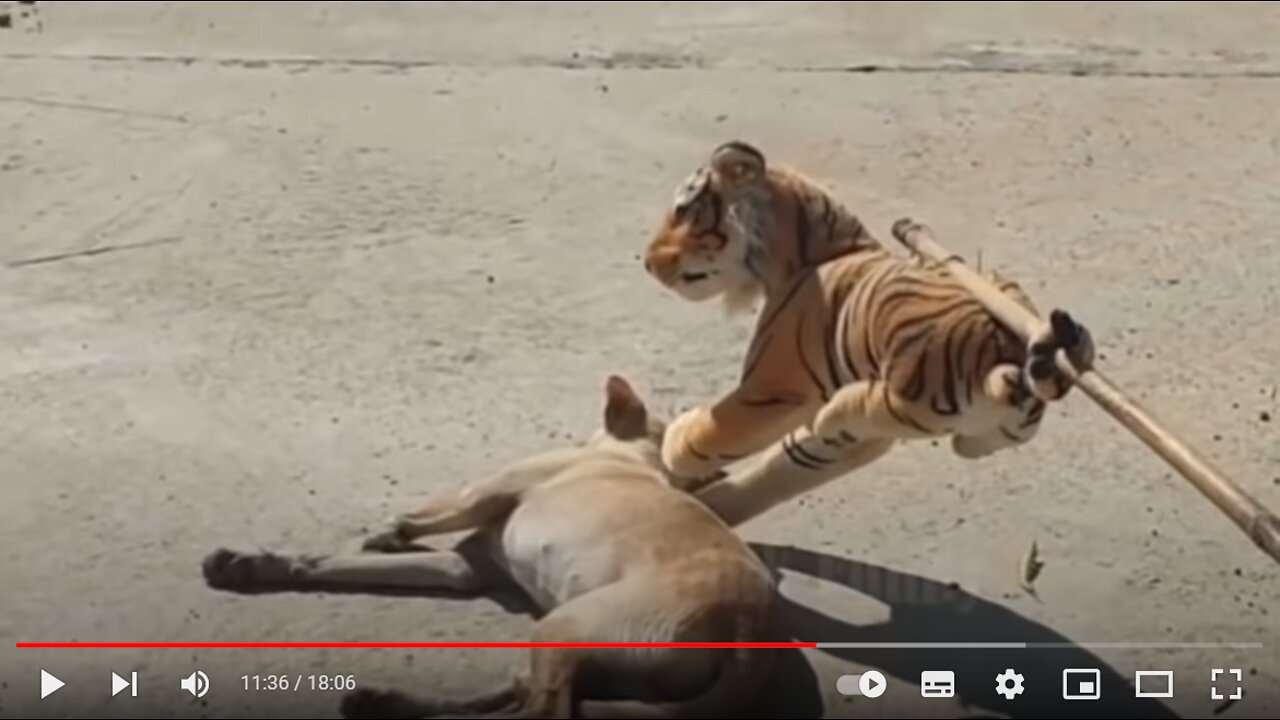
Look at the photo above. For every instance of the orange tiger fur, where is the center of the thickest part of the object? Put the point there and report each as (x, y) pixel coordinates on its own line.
(853, 341)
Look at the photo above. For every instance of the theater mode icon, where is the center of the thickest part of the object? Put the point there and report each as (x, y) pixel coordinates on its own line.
(1153, 683)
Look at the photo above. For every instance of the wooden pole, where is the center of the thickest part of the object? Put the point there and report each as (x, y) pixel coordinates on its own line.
(1260, 524)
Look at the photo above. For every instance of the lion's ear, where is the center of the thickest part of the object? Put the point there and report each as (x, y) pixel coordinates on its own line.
(737, 165)
(625, 416)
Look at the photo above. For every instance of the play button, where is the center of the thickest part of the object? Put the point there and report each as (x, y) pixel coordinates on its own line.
(869, 684)
(48, 684)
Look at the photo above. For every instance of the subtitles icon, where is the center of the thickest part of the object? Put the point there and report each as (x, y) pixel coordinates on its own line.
(1081, 684)
(1153, 684)
(937, 684)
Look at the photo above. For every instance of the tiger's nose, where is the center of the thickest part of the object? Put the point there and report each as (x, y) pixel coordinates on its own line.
(661, 263)
(658, 266)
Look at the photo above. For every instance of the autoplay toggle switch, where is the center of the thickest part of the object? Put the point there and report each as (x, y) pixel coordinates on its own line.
(869, 684)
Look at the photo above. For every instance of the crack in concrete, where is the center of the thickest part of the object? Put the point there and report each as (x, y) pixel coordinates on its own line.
(90, 107)
(657, 61)
(100, 250)
(1066, 70)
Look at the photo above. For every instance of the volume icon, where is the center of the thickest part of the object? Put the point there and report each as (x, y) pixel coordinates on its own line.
(118, 684)
(197, 683)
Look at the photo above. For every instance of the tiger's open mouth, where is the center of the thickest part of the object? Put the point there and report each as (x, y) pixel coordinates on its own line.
(693, 277)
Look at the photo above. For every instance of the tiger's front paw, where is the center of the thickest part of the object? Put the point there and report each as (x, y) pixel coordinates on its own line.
(831, 420)
(679, 453)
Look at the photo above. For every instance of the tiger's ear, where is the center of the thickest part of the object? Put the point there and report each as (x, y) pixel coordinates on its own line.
(625, 416)
(737, 165)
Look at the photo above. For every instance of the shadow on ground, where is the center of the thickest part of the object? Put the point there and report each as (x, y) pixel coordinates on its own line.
(926, 611)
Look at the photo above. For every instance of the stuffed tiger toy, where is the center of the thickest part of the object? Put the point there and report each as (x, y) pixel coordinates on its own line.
(855, 345)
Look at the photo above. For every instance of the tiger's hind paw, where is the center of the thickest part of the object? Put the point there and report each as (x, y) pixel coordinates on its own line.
(1072, 337)
(970, 447)
(1047, 381)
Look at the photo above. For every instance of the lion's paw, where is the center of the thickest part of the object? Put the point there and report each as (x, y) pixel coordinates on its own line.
(229, 569)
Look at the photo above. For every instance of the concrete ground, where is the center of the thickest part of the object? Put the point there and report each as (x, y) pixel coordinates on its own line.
(269, 273)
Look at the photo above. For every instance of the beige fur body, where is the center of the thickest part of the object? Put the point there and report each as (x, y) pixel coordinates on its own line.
(555, 561)
(608, 550)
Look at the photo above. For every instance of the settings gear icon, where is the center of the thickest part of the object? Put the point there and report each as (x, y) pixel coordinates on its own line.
(1009, 684)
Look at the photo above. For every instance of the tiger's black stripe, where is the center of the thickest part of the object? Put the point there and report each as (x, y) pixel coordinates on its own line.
(694, 451)
(890, 302)
(904, 419)
(952, 406)
(869, 348)
(844, 316)
(811, 457)
(776, 311)
(965, 353)
(766, 402)
(823, 390)
(802, 229)
(1035, 416)
(929, 317)
(829, 350)
(717, 210)
(828, 215)
(757, 354)
(914, 390)
(800, 456)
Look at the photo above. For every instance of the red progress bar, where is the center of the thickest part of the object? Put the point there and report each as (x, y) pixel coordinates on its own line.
(397, 645)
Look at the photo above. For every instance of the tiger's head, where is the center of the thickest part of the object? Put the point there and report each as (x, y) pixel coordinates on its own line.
(738, 227)
(710, 242)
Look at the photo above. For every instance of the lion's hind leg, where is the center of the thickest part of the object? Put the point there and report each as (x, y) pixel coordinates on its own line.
(482, 503)
(469, 508)
(445, 570)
